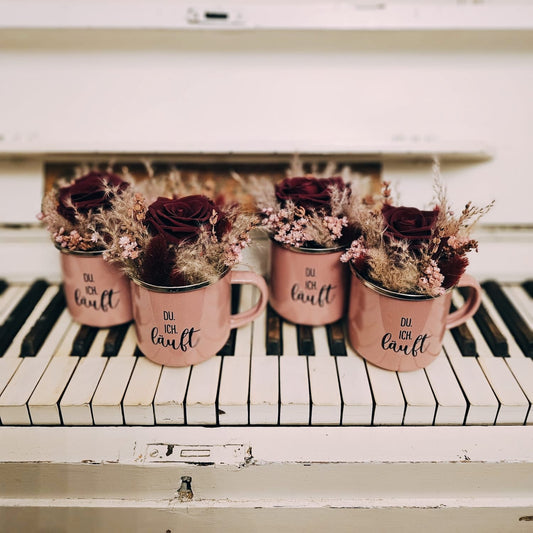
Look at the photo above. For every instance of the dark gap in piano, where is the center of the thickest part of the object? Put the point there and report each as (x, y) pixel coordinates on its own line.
(279, 391)
(310, 392)
(218, 411)
(340, 391)
(365, 363)
(465, 396)
(35, 338)
(512, 318)
(306, 343)
(185, 422)
(494, 337)
(114, 339)
(528, 287)
(3, 285)
(404, 400)
(273, 336)
(434, 397)
(337, 345)
(20, 313)
(83, 341)
(229, 346)
(464, 339)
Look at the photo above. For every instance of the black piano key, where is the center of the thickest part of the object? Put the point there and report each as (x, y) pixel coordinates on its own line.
(114, 338)
(464, 339)
(335, 331)
(306, 343)
(528, 286)
(512, 318)
(20, 313)
(82, 342)
(273, 333)
(35, 338)
(3, 285)
(494, 337)
(229, 346)
(138, 352)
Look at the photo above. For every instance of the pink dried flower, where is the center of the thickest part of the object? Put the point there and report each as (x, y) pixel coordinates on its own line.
(356, 252)
(335, 225)
(432, 281)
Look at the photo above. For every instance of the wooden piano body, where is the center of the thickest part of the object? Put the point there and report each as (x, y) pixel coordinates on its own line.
(96, 438)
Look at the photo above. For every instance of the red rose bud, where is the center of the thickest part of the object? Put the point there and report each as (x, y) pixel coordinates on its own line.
(313, 193)
(88, 193)
(181, 219)
(410, 224)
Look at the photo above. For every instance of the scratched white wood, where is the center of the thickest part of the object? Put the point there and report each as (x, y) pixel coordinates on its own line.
(451, 403)
(235, 375)
(514, 406)
(420, 404)
(388, 397)
(138, 401)
(520, 365)
(355, 388)
(13, 408)
(75, 404)
(293, 381)
(264, 378)
(107, 400)
(11, 359)
(202, 392)
(482, 403)
(323, 381)
(43, 403)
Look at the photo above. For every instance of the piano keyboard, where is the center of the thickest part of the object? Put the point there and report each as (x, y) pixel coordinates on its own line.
(54, 372)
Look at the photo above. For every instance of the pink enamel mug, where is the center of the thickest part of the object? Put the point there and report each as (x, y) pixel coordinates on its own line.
(96, 292)
(403, 332)
(182, 326)
(308, 286)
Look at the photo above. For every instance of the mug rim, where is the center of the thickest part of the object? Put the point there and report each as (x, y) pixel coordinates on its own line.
(406, 296)
(181, 288)
(300, 250)
(86, 253)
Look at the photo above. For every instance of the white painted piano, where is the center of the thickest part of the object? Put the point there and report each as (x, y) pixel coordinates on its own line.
(288, 429)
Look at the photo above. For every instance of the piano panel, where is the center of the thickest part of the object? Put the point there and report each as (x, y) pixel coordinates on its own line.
(113, 384)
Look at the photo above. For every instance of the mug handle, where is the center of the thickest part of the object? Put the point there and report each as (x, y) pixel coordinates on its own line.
(471, 304)
(243, 276)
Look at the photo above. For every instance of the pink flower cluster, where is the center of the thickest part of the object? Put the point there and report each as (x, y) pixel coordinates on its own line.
(356, 252)
(129, 248)
(73, 240)
(335, 225)
(233, 254)
(285, 228)
(432, 281)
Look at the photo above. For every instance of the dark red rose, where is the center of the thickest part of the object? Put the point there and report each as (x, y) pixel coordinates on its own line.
(87, 193)
(452, 268)
(410, 224)
(181, 219)
(308, 192)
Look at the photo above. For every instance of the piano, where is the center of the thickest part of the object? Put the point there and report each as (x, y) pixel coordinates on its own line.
(286, 427)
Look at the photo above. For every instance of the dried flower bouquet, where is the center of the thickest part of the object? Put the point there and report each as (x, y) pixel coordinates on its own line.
(408, 250)
(175, 241)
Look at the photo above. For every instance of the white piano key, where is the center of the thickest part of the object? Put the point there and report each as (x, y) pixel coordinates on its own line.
(43, 403)
(420, 402)
(13, 408)
(170, 396)
(11, 359)
(355, 388)
(514, 406)
(293, 381)
(324, 383)
(138, 400)
(235, 374)
(9, 299)
(520, 365)
(75, 404)
(482, 403)
(202, 392)
(389, 401)
(264, 378)
(451, 403)
(107, 400)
